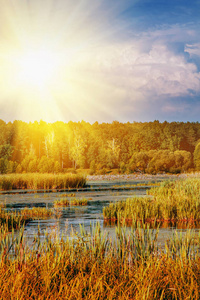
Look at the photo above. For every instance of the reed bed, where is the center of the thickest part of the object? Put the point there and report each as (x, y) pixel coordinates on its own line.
(37, 212)
(61, 202)
(92, 266)
(171, 201)
(79, 202)
(179, 199)
(67, 195)
(67, 202)
(37, 181)
(14, 219)
(138, 185)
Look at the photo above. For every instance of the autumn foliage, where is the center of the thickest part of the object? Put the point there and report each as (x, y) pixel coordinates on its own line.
(126, 147)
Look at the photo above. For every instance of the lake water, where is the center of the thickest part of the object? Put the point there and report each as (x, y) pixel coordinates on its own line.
(99, 195)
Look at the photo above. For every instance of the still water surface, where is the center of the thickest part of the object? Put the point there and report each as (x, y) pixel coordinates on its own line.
(99, 195)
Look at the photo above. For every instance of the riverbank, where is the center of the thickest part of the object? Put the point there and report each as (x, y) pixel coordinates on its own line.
(131, 177)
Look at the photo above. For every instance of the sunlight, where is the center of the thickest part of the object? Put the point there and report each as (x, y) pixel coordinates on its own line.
(51, 61)
(38, 68)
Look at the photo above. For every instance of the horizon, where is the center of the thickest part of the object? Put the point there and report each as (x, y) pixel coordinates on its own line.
(99, 123)
(100, 61)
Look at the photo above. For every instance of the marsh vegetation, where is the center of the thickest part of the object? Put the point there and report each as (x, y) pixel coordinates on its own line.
(73, 201)
(90, 264)
(171, 201)
(37, 181)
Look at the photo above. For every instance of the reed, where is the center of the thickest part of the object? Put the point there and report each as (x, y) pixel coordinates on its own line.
(67, 202)
(92, 266)
(67, 195)
(79, 202)
(37, 181)
(37, 213)
(14, 219)
(129, 210)
(171, 201)
(179, 199)
(61, 202)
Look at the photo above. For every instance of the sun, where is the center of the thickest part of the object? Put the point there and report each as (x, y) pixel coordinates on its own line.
(51, 60)
(38, 68)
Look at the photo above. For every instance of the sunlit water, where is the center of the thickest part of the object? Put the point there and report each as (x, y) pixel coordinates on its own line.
(99, 195)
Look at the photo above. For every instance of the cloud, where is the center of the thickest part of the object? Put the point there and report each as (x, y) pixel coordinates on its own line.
(157, 72)
(193, 49)
(113, 67)
(174, 108)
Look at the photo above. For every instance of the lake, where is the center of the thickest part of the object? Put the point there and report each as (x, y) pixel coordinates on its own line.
(99, 194)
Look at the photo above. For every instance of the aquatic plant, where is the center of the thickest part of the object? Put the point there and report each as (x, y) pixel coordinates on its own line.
(37, 181)
(90, 265)
(14, 219)
(138, 208)
(67, 195)
(37, 212)
(79, 201)
(61, 202)
(171, 201)
(67, 202)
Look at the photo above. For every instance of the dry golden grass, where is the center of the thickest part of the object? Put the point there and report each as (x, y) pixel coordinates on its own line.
(41, 181)
(14, 219)
(37, 213)
(91, 267)
(61, 202)
(171, 201)
(67, 202)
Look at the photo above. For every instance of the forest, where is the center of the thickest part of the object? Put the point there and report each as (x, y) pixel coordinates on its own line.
(149, 147)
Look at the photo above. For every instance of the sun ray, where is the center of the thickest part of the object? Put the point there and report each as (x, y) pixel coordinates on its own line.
(47, 49)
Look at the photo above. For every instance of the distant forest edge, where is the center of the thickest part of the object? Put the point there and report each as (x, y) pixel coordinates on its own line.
(150, 147)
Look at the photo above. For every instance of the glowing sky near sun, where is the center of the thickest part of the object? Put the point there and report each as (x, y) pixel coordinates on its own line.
(99, 60)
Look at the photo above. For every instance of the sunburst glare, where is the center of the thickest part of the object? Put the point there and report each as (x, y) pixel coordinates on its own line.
(38, 67)
(48, 58)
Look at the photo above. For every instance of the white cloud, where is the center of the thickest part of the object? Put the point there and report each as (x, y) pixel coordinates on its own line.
(193, 49)
(157, 72)
(109, 77)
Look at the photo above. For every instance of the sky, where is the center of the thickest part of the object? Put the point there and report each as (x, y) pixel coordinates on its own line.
(100, 60)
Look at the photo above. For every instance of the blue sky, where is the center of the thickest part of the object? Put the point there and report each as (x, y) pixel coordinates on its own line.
(123, 60)
(165, 37)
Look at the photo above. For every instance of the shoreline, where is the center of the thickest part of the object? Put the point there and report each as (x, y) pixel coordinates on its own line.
(131, 177)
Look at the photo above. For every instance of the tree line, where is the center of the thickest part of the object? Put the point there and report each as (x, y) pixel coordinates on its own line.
(149, 147)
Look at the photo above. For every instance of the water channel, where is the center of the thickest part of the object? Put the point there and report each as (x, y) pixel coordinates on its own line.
(98, 193)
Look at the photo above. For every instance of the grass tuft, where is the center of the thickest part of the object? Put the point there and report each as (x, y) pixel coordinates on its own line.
(67, 202)
(37, 181)
(92, 266)
(171, 201)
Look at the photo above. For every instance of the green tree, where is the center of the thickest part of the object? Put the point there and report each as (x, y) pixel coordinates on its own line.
(197, 157)
(77, 150)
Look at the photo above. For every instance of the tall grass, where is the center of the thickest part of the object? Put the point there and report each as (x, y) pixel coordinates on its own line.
(67, 202)
(37, 213)
(14, 219)
(61, 202)
(41, 181)
(79, 202)
(172, 201)
(178, 199)
(91, 266)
